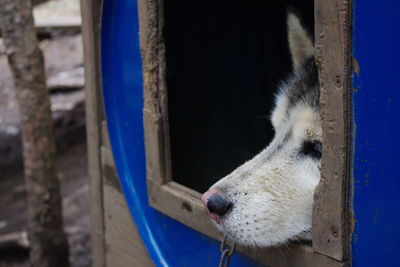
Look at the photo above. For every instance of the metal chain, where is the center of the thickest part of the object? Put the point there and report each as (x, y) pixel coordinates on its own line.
(226, 252)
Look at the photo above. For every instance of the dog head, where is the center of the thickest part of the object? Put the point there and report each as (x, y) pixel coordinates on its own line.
(268, 200)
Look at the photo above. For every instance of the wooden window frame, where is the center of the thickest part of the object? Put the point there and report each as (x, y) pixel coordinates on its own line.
(331, 213)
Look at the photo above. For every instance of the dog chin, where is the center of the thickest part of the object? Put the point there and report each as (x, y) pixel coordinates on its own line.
(239, 240)
(260, 241)
(256, 239)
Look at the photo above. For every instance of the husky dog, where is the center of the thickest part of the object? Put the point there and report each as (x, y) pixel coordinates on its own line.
(268, 200)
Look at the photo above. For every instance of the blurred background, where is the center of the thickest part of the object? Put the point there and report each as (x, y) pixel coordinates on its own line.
(58, 26)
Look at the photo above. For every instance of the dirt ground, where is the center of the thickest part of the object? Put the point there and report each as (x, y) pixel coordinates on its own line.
(71, 166)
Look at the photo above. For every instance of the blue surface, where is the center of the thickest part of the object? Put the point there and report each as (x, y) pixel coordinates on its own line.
(168, 242)
(376, 44)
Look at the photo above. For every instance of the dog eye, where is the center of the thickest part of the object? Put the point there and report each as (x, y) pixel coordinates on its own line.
(312, 149)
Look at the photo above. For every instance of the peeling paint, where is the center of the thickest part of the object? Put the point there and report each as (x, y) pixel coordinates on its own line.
(356, 66)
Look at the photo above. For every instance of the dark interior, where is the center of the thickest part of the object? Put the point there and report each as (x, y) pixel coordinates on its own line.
(224, 62)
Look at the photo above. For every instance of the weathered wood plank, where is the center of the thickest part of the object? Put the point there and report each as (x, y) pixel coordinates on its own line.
(90, 31)
(292, 255)
(105, 138)
(53, 27)
(151, 23)
(49, 25)
(50, 28)
(184, 205)
(124, 245)
(14, 240)
(331, 207)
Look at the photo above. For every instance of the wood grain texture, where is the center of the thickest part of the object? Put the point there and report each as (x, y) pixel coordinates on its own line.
(105, 139)
(151, 23)
(290, 255)
(331, 199)
(183, 205)
(90, 32)
(124, 247)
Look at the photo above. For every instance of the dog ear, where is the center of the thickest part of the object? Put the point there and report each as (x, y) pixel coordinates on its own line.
(300, 44)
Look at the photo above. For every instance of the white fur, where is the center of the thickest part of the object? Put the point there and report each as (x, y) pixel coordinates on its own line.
(300, 44)
(279, 114)
(272, 197)
(272, 194)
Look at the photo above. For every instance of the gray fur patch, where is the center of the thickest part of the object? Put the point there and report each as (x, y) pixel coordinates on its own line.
(303, 86)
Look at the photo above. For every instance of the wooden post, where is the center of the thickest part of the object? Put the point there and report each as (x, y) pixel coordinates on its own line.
(49, 246)
(91, 10)
(331, 214)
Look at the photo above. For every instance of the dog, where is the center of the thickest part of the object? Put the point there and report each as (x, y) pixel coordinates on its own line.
(268, 200)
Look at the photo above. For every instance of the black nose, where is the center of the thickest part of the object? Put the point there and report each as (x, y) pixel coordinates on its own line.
(219, 205)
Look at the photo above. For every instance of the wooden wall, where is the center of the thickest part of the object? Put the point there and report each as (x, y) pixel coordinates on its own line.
(115, 239)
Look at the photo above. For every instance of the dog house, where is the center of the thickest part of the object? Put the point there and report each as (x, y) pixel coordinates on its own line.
(151, 65)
